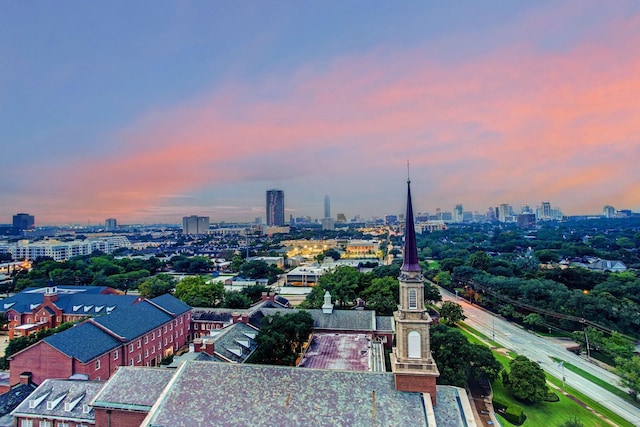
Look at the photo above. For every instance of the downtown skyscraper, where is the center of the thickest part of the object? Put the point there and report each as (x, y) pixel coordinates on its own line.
(275, 208)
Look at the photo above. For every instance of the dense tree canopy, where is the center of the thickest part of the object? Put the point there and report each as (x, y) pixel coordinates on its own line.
(459, 360)
(197, 292)
(281, 338)
(525, 380)
(629, 371)
(451, 313)
(157, 285)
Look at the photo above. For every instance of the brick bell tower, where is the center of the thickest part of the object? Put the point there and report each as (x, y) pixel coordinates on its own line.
(411, 361)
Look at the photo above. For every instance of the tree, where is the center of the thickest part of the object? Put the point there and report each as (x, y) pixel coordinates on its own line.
(196, 292)
(628, 369)
(443, 278)
(382, 296)
(332, 253)
(431, 294)
(282, 337)
(525, 380)
(451, 313)
(534, 320)
(234, 299)
(479, 260)
(260, 270)
(459, 360)
(156, 286)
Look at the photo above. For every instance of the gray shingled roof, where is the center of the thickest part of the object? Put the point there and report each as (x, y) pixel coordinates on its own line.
(340, 320)
(261, 395)
(384, 323)
(171, 304)
(133, 388)
(73, 394)
(80, 300)
(134, 321)
(85, 342)
(11, 399)
(235, 342)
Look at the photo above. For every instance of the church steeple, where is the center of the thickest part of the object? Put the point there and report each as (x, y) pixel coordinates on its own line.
(411, 360)
(410, 262)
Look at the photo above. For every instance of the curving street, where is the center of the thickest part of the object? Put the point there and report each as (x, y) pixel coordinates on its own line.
(542, 350)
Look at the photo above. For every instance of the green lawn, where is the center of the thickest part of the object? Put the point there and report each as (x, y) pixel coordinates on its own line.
(547, 413)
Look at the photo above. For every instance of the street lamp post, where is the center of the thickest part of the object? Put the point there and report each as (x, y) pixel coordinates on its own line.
(493, 327)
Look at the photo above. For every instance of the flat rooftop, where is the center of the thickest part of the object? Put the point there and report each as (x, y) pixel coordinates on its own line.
(345, 352)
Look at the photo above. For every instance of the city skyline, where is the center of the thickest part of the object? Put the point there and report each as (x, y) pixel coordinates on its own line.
(119, 111)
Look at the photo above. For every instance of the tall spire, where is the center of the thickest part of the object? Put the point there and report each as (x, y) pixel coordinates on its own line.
(410, 262)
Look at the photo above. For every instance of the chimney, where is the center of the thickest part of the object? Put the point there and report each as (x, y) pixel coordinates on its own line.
(25, 378)
(234, 317)
(207, 346)
(244, 318)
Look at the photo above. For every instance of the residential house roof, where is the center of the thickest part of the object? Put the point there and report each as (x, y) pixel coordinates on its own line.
(61, 399)
(133, 388)
(84, 341)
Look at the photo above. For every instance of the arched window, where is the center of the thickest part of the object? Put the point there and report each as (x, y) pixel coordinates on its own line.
(413, 299)
(414, 344)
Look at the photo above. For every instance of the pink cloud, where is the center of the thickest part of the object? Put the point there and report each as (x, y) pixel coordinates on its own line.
(517, 125)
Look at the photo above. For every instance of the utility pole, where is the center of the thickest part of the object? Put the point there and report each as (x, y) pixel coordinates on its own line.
(586, 337)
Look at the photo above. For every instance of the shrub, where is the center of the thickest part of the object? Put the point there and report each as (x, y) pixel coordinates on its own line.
(515, 415)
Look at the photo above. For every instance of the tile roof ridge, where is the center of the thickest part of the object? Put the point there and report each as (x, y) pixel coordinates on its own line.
(106, 330)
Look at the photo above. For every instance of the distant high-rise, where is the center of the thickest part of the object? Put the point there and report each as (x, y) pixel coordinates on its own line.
(23, 221)
(327, 207)
(195, 225)
(609, 211)
(457, 213)
(111, 224)
(275, 208)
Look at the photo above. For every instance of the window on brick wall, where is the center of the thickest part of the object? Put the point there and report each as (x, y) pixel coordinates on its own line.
(115, 355)
(139, 358)
(139, 343)
(131, 362)
(26, 423)
(130, 348)
(146, 353)
(97, 364)
(146, 339)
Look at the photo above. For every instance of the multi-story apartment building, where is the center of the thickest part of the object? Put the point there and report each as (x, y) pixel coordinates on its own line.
(60, 251)
(140, 335)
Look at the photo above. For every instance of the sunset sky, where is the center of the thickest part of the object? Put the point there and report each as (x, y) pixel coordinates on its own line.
(147, 111)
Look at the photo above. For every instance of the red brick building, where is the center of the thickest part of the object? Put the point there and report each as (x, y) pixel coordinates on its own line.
(140, 335)
(35, 309)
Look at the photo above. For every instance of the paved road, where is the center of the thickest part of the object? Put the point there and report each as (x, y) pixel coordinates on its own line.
(542, 349)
